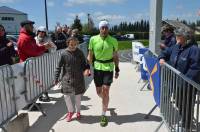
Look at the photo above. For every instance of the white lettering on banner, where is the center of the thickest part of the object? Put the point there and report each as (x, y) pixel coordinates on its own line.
(135, 50)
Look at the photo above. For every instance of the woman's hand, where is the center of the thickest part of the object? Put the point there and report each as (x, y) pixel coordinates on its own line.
(162, 61)
(87, 72)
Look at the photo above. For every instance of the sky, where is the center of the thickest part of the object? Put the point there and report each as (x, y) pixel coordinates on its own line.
(115, 11)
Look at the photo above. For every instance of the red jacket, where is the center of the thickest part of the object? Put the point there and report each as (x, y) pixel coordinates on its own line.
(27, 46)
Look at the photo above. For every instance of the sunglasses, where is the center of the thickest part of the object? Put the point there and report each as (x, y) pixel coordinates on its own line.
(42, 31)
(104, 27)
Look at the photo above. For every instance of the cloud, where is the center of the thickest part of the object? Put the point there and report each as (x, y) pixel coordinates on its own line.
(112, 18)
(93, 2)
(96, 16)
(184, 15)
(8, 1)
(50, 3)
(80, 14)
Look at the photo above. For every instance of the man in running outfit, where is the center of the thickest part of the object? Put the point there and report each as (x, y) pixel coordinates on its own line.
(104, 57)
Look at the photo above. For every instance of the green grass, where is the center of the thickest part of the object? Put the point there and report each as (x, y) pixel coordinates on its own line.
(145, 42)
(124, 45)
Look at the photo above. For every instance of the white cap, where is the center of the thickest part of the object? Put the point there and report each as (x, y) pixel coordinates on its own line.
(103, 23)
(42, 28)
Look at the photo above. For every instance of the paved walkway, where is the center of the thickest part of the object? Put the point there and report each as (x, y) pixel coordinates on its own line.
(127, 108)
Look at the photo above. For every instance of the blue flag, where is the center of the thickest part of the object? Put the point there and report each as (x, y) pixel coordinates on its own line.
(153, 67)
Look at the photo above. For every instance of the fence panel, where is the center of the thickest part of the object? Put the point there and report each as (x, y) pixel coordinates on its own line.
(7, 94)
(179, 101)
(39, 73)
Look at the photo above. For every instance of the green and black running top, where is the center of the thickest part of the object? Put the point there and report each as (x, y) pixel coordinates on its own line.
(103, 52)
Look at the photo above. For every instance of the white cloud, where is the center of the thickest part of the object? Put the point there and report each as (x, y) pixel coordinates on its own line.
(50, 3)
(80, 14)
(8, 1)
(95, 2)
(184, 15)
(112, 18)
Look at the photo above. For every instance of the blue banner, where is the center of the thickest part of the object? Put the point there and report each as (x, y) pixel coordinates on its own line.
(153, 67)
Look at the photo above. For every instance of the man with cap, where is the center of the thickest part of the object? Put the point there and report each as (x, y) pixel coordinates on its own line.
(27, 46)
(185, 57)
(104, 57)
(170, 39)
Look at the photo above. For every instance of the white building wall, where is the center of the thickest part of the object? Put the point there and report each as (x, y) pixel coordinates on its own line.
(12, 26)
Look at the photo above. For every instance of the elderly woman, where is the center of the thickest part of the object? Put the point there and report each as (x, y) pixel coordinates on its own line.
(185, 57)
(42, 38)
(6, 48)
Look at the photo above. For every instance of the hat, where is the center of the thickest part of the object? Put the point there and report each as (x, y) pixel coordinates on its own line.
(181, 32)
(26, 22)
(103, 23)
(167, 28)
(42, 28)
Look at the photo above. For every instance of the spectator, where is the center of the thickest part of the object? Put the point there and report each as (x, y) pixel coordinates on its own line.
(185, 57)
(73, 64)
(59, 38)
(170, 39)
(27, 46)
(75, 33)
(7, 51)
(69, 32)
(191, 39)
(65, 31)
(42, 38)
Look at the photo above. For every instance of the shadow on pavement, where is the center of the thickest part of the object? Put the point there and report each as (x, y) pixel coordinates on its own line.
(55, 112)
(120, 119)
(85, 98)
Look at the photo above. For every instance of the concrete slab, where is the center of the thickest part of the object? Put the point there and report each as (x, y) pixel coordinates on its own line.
(127, 108)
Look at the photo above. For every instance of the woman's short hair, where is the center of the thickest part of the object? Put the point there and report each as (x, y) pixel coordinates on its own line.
(72, 38)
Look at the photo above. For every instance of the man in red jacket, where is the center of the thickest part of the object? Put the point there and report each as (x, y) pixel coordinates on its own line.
(27, 46)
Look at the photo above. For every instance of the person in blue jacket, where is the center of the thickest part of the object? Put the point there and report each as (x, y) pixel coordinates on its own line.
(185, 57)
(170, 38)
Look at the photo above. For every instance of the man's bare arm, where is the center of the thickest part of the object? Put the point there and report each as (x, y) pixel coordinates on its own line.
(116, 58)
(90, 57)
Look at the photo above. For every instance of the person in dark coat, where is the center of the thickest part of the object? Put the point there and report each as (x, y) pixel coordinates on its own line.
(74, 65)
(6, 48)
(185, 57)
(75, 33)
(59, 38)
(170, 39)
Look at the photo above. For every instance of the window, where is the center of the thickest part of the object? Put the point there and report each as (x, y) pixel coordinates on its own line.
(7, 18)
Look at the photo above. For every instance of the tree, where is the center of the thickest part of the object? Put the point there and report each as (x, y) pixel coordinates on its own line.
(77, 24)
(90, 23)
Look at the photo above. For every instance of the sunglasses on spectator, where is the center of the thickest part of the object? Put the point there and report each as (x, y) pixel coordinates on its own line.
(104, 27)
(42, 31)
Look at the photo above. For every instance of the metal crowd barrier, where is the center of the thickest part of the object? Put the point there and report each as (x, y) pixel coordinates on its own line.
(39, 74)
(38, 78)
(180, 98)
(7, 95)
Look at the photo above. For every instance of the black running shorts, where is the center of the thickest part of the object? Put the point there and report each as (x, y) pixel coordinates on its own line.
(103, 78)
